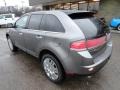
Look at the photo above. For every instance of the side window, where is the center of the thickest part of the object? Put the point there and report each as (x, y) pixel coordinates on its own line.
(21, 23)
(8, 16)
(34, 22)
(51, 23)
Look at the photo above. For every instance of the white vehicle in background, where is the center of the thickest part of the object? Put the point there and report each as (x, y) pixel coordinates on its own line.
(6, 19)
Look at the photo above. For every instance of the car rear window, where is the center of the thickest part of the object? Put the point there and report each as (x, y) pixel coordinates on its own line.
(91, 26)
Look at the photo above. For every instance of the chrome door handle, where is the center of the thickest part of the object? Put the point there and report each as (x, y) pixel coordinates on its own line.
(39, 36)
(20, 33)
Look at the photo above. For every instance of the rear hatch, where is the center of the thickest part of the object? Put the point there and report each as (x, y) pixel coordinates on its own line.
(95, 30)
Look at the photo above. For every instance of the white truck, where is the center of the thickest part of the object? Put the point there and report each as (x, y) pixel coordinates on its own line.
(6, 19)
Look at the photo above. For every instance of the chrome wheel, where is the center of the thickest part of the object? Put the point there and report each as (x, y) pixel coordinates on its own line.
(118, 28)
(10, 44)
(50, 68)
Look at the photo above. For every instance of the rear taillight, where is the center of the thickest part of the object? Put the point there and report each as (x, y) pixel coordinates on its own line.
(78, 45)
(87, 44)
(96, 42)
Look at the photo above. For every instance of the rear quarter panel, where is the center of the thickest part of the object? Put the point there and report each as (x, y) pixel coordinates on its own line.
(58, 44)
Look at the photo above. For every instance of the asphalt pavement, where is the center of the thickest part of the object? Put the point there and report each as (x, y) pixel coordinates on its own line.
(21, 71)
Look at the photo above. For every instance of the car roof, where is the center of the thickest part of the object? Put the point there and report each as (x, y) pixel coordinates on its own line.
(68, 12)
(74, 11)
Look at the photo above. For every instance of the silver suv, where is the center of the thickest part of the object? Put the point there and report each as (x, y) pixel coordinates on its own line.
(66, 42)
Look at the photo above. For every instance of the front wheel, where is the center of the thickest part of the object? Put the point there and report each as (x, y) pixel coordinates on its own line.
(118, 28)
(52, 68)
(12, 47)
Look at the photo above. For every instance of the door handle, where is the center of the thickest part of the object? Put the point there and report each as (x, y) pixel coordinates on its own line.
(20, 33)
(39, 36)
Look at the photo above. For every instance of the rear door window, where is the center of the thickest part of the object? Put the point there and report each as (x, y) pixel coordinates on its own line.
(34, 22)
(51, 23)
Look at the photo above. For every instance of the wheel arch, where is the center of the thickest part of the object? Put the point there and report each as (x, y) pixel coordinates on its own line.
(46, 51)
(118, 24)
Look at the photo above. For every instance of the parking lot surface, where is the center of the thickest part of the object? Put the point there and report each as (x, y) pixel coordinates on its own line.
(21, 71)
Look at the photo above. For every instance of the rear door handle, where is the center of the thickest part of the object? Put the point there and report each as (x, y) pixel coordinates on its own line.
(20, 33)
(39, 36)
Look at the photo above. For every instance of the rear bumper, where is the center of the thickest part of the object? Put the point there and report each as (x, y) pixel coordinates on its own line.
(100, 61)
(86, 70)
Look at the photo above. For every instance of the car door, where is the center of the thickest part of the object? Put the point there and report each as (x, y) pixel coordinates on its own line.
(33, 36)
(8, 18)
(42, 29)
(20, 28)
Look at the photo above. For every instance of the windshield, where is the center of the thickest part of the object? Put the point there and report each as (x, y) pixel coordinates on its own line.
(1, 17)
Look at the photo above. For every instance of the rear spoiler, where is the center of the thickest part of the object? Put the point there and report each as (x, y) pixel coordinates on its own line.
(81, 15)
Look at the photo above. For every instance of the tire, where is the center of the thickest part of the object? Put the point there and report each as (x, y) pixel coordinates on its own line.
(118, 27)
(12, 47)
(52, 68)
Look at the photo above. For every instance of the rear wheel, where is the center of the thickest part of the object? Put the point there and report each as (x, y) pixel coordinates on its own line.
(52, 68)
(12, 47)
(118, 28)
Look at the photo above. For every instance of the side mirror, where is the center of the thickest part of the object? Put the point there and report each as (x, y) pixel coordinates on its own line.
(10, 25)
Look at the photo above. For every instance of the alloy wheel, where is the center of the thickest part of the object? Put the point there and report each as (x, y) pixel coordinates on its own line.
(51, 68)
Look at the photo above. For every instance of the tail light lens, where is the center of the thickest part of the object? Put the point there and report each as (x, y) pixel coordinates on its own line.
(78, 45)
(87, 44)
(96, 42)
